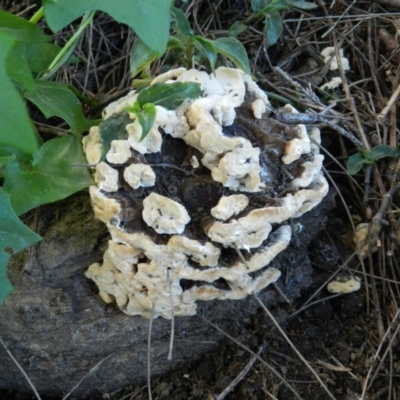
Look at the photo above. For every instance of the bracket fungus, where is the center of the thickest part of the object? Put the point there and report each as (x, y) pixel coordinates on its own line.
(199, 208)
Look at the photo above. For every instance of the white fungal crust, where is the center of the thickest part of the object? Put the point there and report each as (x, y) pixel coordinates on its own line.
(164, 215)
(119, 105)
(344, 286)
(143, 271)
(105, 209)
(244, 233)
(298, 146)
(258, 106)
(92, 145)
(229, 205)
(119, 152)
(106, 177)
(150, 144)
(137, 175)
(329, 55)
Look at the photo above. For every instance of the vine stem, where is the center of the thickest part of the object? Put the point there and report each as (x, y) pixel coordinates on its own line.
(68, 49)
(37, 16)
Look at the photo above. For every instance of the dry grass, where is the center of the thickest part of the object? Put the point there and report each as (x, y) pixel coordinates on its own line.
(362, 111)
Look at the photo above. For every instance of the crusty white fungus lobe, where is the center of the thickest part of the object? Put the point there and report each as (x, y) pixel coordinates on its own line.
(92, 145)
(105, 209)
(150, 144)
(205, 254)
(258, 106)
(164, 215)
(119, 152)
(298, 146)
(245, 233)
(229, 205)
(311, 168)
(344, 286)
(119, 105)
(106, 177)
(329, 55)
(137, 175)
(173, 74)
(143, 271)
(232, 82)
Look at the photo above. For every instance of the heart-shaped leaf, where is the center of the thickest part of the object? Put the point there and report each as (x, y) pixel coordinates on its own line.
(57, 99)
(273, 27)
(232, 49)
(51, 176)
(16, 129)
(14, 237)
(181, 22)
(141, 56)
(207, 49)
(169, 95)
(148, 18)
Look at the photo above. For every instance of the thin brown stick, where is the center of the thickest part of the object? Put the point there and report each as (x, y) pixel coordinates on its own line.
(241, 375)
(21, 369)
(269, 367)
(306, 363)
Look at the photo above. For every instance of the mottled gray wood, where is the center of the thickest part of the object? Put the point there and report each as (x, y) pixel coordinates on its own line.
(58, 328)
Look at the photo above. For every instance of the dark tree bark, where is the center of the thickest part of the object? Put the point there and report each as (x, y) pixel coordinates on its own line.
(58, 328)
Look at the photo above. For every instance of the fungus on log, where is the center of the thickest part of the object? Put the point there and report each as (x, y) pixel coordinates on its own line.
(233, 179)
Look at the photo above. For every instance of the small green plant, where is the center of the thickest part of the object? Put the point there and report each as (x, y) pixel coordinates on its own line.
(270, 11)
(169, 96)
(369, 157)
(188, 47)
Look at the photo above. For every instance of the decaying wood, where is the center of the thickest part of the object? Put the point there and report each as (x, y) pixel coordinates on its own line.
(58, 329)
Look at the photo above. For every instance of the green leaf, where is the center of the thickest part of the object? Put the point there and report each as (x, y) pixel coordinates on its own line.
(14, 237)
(148, 18)
(51, 176)
(207, 49)
(18, 70)
(382, 151)
(305, 5)
(181, 22)
(237, 28)
(5, 156)
(57, 99)
(16, 129)
(141, 56)
(133, 109)
(175, 42)
(234, 51)
(146, 118)
(355, 163)
(21, 29)
(169, 95)
(113, 128)
(275, 6)
(273, 27)
(30, 52)
(258, 5)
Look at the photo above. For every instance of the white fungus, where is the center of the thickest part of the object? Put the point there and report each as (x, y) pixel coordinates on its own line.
(92, 145)
(146, 261)
(344, 286)
(164, 215)
(137, 175)
(329, 55)
(106, 177)
(229, 205)
(119, 152)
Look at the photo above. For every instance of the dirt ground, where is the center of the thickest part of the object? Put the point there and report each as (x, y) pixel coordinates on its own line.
(350, 341)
